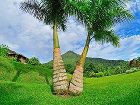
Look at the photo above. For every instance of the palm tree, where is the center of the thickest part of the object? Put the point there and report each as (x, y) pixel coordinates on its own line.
(99, 17)
(54, 13)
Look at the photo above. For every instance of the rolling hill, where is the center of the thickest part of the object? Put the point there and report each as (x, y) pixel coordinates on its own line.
(31, 87)
(70, 58)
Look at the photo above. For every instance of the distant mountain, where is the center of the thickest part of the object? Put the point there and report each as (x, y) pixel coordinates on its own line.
(71, 58)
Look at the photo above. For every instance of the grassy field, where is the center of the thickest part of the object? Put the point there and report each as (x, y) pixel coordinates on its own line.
(113, 90)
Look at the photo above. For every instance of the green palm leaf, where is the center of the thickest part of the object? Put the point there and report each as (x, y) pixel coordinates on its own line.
(107, 37)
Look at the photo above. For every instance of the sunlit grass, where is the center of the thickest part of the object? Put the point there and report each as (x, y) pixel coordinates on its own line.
(114, 90)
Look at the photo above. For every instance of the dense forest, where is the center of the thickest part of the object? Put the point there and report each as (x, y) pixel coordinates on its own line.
(94, 67)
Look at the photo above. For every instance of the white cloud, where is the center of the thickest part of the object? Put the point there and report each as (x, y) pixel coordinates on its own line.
(25, 34)
(133, 5)
(129, 49)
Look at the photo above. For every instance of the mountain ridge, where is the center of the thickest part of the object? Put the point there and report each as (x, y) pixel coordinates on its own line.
(70, 58)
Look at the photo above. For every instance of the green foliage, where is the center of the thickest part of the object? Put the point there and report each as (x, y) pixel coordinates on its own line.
(69, 68)
(93, 65)
(50, 11)
(33, 61)
(118, 70)
(132, 70)
(100, 16)
(15, 71)
(90, 67)
(25, 69)
(97, 75)
(100, 74)
(105, 36)
(107, 73)
(7, 70)
(4, 50)
(92, 74)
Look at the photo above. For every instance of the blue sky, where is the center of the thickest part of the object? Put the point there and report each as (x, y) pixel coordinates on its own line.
(26, 35)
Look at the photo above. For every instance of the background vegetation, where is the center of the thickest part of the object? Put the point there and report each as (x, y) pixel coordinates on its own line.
(31, 83)
(95, 66)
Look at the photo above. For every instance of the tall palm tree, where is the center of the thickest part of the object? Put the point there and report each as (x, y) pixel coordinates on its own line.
(99, 17)
(54, 13)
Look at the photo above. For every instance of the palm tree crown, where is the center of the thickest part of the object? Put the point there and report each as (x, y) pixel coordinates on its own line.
(50, 11)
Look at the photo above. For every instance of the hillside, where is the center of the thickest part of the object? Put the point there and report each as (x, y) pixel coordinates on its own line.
(70, 58)
(32, 87)
(26, 73)
(97, 91)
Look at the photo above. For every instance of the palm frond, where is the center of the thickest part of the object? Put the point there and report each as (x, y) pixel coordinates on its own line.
(105, 36)
(77, 8)
(34, 8)
(49, 11)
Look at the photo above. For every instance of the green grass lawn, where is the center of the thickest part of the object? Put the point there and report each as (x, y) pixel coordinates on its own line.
(114, 90)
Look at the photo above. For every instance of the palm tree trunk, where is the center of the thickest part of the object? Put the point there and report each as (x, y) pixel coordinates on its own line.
(60, 80)
(76, 85)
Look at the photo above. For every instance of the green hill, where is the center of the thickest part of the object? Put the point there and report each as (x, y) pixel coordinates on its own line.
(11, 70)
(71, 57)
(113, 90)
(92, 64)
(31, 87)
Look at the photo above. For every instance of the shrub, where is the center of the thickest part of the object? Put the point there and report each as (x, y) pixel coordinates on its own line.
(69, 68)
(129, 71)
(92, 74)
(107, 73)
(132, 70)
(90, 67)
(97, 75)
(3, 50)
(100, 74)
(33, 61)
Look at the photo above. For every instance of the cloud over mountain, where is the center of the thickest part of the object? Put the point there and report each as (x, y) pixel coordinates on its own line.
(25, 34)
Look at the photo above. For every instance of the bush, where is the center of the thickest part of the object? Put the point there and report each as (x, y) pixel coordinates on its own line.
(69, 68)
(129, 71)
(100, 74)
(92, 74)
(132, 70)
(3, 50)
(107, 73)
(97, 75)
(33, 61)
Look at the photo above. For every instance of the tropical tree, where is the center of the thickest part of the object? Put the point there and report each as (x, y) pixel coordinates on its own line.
(4, 50)
(34, 61)
(54, 13)
(99, 16)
